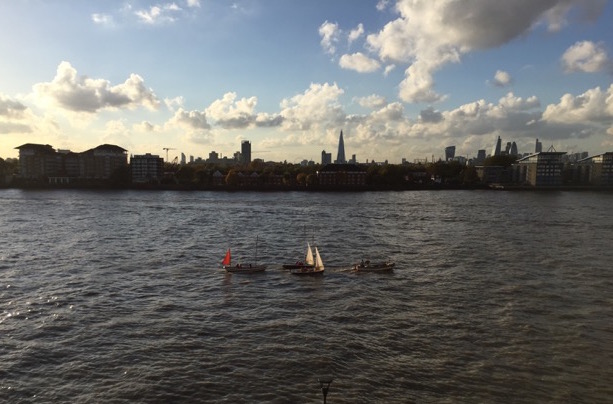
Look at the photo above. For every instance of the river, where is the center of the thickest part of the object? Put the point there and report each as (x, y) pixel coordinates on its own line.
(118, 296)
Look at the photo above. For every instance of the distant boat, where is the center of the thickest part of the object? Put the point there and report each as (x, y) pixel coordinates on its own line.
(308, 262)
(367, 266)
(243, 268)
(316, 269)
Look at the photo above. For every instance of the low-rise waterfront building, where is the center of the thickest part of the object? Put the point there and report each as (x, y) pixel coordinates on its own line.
(100, 162)
(343, 175)
(38, 161)
(43, 163)
(147, 168)
(541, 169)
(596, 170)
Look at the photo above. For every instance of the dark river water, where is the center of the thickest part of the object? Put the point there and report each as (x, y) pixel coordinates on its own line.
(119, 297)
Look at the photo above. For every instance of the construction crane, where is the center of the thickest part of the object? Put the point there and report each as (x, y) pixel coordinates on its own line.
(167, 148)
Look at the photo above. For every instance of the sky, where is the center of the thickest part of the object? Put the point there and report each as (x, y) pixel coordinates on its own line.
(402, 79)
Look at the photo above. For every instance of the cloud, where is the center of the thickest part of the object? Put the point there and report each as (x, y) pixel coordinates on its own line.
(230, 113)
(145, 126)
(193, 3)
(158, 14)
(82, 94)
(594, 105)
(372, 101)
(585, 56)
(388, 69)
(330, 34)
(355, 33)
(501, 79)
(264, 120)
(191, 120)
(11, 108)
(173, 103)
(359, 62)
(102, 19)
(318, 106)
(429, 115)
(13, 127)
(382, 4)
(427, 35)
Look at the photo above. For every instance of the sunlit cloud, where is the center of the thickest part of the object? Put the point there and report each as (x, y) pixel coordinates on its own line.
(501, 79)
(587, 57)
(77, 93)
(359, 62)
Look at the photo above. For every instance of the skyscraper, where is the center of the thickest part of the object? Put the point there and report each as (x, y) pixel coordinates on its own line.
(496, 151)
(449, 153)
(513, 151)
(340, 156)
(246, 152)
(539, 147)
(326, 158)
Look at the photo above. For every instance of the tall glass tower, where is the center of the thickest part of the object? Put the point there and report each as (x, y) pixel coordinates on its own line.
(340, 156)
(497, 147)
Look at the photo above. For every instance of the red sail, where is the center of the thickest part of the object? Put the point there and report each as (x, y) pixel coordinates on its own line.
(227, 258)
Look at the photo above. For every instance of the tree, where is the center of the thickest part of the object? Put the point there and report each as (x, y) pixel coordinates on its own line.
(185, 174)
(232, 177)
(301, 179)
(502, 160)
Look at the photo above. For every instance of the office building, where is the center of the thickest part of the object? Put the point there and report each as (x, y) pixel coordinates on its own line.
(245, 156)
(326, 158)
(340, 155)
(497, 147)
(538, 148)
(449, 153)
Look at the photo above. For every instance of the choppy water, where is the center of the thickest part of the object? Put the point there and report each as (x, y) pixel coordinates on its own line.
(118, 297)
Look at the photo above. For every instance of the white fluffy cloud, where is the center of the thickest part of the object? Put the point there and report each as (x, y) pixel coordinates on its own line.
(83, 94)
(230, 113)
(359, 62)
(190, 120)
(585, 56)
(372, 101)
(330, 34)
(316, 107)
(501, 79)
(430, 34)
(593, 106)
(355, 33)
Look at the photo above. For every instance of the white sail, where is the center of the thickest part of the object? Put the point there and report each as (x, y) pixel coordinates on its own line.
(319, 264)
(309, 255)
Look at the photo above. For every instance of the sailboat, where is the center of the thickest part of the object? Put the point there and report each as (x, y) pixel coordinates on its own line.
(316, 269)
(241, 267)
(308, 262)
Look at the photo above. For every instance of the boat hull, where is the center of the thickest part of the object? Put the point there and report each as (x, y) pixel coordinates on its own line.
(242, 269)
(297, 266)
(307, 271)
(378, 267)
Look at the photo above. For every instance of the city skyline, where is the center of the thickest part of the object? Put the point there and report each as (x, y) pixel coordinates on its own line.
(401, 79)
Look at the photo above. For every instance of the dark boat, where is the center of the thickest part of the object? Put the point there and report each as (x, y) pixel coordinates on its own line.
(368, 266)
